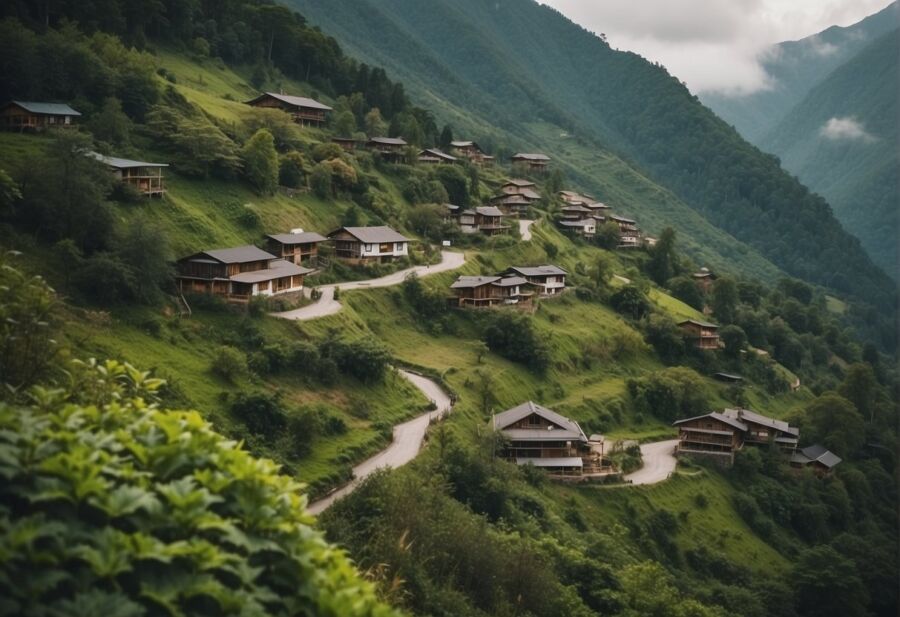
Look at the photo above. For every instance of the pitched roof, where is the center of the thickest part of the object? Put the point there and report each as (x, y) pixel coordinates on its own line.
(575, 208)
(451, 207)
(597, 205)
(530, 194)
(702, 324)
(465, 144)
(620, 219)
(511, 200)
(468, 282)
(47, 109)
(437, 153)
(519, 182)
(746, 415)
(564, 461)
(569, 428)
(531, 156)
(373, 235)
(489, 211)
(511, 281)
(304, 237)
(388, 141)
(236, 255)
(817, 453)
(715, 415)
(582, 223)
(546, 270)
(296, 101)
(118, 163)
(277, 269)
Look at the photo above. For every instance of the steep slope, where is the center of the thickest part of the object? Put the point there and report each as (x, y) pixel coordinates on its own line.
(795, 68)
(530, 66)
(841, 140)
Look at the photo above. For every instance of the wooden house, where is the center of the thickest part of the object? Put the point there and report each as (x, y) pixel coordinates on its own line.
(296, 247)
(488, 291)
(764, 430)
(239, 273)
(471, 151)
(369, 244)
(575, 198)
(586, 227)
(433, 156)
(574, 212)
(629, 234)
(33, 116)
(532, 161)
(389, 148)
(146, 178)
(549, 280)
(701, 334)
(451, 212)
(304, 111)
(535, 435)
(489, 220)
(704, 279)
(516, 186)
(818, 458)
(348, 144)
(512, 204)
(720, 434)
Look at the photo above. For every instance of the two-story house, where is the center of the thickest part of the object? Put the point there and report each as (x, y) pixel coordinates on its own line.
(304, 111)
(534, 162)
(536, 435)
(700, 334)
(369, 244)
(548, 279)
(488, 291)
(146, 178)
(298, 247)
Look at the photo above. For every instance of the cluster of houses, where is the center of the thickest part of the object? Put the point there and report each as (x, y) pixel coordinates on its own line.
(581, 214)
(242, 272)
(517, 285)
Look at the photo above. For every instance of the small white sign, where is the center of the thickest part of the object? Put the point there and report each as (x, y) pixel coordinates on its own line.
(445, 243)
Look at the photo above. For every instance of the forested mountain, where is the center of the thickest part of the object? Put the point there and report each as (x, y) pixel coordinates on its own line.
(525, 63)
(795, 68)
(842, 141)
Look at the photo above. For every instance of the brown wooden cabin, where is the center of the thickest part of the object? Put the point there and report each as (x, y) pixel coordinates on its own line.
(146, 178)
(532, 161)
(489, 220)
(304, 111)
(471, 151)
(512, 204)
(720, 434)
(575, 198)
(433, 156)
(762, 430)
(239, 273)
(574, 212)
(348, 144)
(701, 334)
(550, 280)
(817, 457)
(488, 291)
(535, 435)
(629, 234)
(704, 279)
(369, 244)
(586, 227)
(389, 148)
(297, 247)
(516, 186)
(33, 116)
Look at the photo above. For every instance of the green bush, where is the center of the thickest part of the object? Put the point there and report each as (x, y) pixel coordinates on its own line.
(229, 363)
(112, 506)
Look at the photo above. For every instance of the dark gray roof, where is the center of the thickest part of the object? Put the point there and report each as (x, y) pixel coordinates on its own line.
(582, 223)
(437, 153)
(236, 255)
(519, 182)
(511, 281)
(531, 156)
(277, 269)
(118, 163)
(451, 207)
(575, 208)
(530, 194)
(746, 415)
(620, 219)
(489, 211)
(704, 324)
(296, 101)
(569, 429)
(716, 416)
(47, 109)
(305, 237)
(547, 270)
(373, 235)
(388, 141)
(467, 282)
(816, 453)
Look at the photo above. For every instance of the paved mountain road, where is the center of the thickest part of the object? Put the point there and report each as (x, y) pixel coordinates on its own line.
(659, 462)
(525, 229)
(407, 441)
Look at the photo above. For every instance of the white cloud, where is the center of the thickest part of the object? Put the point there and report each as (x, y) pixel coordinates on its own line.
(713, 45)
(846, 129)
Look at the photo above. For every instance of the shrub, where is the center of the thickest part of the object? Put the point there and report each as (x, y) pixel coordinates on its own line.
(631, 302)
(261, 162)
(229, 363)
(514, 337)
(261, 413)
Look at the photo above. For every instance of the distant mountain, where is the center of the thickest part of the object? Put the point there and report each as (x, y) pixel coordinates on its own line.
(514, 68)
(841, 140)
(795, 68)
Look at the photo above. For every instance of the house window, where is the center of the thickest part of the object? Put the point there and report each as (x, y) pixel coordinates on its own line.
(369, 248)
(534, 420)
(399, 247)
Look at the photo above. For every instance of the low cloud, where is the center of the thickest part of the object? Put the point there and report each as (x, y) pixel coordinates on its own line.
(846, 129)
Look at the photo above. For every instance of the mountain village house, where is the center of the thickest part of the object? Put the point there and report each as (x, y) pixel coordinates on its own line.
(512, 204)
(303, 110)
(538, 436)
(700, 334)
(525, 188)
(629, 234)
(471, 151)
(146, 178)
(532, 161)
(297, 247)
(549, 280)
(239, 273)
(348, 144)
(719, 435)
(488, 291)
(369, 244)
(586, 228)
(433, 156)
(389, 148)
(704, 279)
(25, 115)
(818, 458)
(486, 219)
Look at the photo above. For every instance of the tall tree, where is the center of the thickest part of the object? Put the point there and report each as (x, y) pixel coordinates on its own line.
(725, 300)
(446, 137)
(261, 162)
(663, 263)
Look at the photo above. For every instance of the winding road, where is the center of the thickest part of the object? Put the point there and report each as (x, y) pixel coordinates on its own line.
(525, 229)
(407, 441)
(328, 305)
(659, 462)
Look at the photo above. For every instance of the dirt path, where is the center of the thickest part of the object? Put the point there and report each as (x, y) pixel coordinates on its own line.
(525, 229)
(327, 305)
(659, 462)
(407, 441)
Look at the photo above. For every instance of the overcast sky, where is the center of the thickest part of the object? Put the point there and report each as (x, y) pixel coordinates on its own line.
(711, 44)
